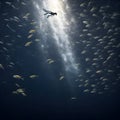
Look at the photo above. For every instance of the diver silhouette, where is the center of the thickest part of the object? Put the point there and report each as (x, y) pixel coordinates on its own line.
(49, 13)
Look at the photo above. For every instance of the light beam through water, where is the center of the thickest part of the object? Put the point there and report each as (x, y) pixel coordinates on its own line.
(60, 27)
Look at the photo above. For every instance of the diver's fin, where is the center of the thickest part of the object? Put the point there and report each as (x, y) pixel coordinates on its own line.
(46, 10)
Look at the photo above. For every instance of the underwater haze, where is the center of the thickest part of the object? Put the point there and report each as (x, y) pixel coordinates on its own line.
(59, 59)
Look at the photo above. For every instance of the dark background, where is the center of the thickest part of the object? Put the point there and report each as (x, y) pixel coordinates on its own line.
(47, 97)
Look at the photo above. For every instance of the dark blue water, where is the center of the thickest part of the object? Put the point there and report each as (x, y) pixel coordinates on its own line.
(49, 98)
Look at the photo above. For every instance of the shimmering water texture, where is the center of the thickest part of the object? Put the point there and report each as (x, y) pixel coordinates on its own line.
(59, 26)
